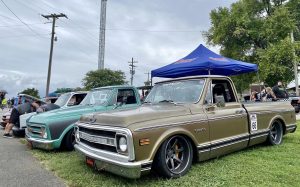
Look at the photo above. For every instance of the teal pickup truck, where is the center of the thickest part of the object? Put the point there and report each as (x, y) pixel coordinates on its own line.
(55, 129)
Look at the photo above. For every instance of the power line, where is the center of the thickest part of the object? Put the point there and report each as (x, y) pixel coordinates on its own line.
(21, 25)
(20, 19)
(19, 36)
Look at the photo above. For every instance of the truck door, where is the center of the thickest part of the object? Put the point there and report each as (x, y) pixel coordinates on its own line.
(227, 118)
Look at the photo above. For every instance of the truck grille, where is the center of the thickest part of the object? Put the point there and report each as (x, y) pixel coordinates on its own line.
(98, 139)
(34, 130)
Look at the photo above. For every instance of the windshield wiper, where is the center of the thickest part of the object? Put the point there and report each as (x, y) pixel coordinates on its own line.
(146, 102)
(166, 101)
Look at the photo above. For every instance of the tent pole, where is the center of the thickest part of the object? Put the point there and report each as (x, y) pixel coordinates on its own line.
(151, 80)
(259, 83)
(208, 71)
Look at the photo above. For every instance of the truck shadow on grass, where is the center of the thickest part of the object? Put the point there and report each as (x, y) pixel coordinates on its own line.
(232, 169)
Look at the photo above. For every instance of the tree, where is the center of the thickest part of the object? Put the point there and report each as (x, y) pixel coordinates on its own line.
(105, 77)
(31, 91)
(258, 31)
(63, 90)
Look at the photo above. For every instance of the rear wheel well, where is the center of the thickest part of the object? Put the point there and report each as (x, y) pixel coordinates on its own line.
(282, 123)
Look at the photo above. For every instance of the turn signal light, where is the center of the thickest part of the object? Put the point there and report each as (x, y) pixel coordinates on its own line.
(145, 141)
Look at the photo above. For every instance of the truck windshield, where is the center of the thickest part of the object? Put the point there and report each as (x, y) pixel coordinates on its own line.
(63, 99)
(185, 91)
(97, 97)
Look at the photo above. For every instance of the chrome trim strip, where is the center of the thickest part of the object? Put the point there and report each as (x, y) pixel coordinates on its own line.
(222, 143)
(228, 116)
(228, 144)
(146, 169)
(203, 146)
(270, 112)
(230, 139)
(170, 125)
(204, 150)
(292, 126)
(259, 136)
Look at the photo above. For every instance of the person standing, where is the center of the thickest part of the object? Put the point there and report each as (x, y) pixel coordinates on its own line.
(27, 107)
(279, 91)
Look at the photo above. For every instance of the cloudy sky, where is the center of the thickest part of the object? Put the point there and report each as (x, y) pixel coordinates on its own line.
(154, 33)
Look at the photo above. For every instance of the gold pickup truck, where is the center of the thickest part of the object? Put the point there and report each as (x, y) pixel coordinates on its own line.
(181, 121)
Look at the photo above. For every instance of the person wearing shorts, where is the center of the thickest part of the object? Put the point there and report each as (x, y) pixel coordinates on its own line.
(14, 120)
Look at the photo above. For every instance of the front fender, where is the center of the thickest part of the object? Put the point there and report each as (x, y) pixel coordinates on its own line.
(167, 134)
(59, 141)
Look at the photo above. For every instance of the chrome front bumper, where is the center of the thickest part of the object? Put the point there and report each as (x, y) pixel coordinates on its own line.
(126, 169)
(41, 143)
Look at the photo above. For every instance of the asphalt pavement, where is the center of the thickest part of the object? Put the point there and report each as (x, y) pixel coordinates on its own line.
(18, 167)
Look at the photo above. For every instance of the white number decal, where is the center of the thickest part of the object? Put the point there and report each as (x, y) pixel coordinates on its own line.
(253, 122)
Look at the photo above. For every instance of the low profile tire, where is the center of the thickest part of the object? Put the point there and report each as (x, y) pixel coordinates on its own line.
(69, 141)
(276, 133)
(174, 157)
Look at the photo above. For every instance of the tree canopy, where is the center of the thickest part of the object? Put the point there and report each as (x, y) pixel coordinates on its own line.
(105, 77)
(31, 91)
(258, 31)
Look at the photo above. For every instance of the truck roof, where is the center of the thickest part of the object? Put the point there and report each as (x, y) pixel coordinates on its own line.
(116, 86)
(193, 77)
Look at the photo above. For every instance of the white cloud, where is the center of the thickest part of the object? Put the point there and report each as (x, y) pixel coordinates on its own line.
(143, 29)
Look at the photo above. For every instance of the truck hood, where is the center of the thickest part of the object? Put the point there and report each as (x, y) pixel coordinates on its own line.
(63, 113)
(124, 118)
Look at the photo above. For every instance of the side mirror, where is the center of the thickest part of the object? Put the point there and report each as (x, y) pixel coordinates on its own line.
(210, 107)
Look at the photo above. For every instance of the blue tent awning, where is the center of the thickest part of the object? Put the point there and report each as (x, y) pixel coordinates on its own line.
(203, 61)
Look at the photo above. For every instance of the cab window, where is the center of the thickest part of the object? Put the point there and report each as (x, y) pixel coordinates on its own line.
(126, 96)
(222, 91)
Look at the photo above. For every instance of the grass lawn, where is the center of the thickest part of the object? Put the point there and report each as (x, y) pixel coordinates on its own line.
(256, 166)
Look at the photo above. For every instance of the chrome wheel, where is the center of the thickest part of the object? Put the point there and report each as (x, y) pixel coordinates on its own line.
(177, 154)
(174, 157)
(276, 133)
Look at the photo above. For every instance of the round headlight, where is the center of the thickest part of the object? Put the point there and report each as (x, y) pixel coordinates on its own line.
(45, 134)
(123, 144)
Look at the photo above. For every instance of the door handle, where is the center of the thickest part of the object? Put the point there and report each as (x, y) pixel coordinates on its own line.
(210, 107)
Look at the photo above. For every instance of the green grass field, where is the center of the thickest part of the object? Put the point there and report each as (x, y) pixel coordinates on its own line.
(256, 166)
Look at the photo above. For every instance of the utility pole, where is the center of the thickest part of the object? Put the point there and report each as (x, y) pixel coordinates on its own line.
(102, 35)
(132, 69)
(54, 17)
(147, 83)
(295, 66)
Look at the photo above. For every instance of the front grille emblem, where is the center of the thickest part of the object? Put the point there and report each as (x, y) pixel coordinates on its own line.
(92, 120)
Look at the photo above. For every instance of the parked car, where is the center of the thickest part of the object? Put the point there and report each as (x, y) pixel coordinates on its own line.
(181, 121)
(55, 129)
(20, 99)
(295, 101)
(64, 101)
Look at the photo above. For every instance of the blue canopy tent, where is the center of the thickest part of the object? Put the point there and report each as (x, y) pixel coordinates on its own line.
(203, 61)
